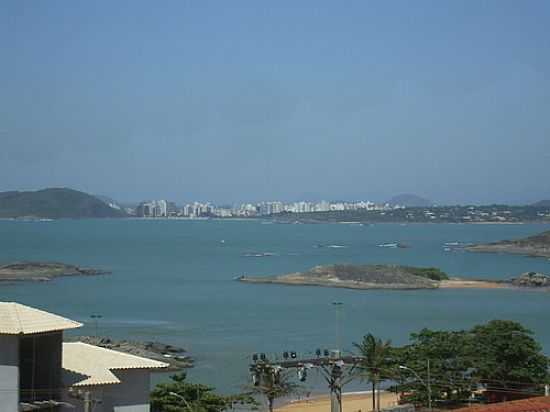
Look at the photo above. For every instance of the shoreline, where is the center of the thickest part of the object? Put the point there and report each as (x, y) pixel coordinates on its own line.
(455, 283)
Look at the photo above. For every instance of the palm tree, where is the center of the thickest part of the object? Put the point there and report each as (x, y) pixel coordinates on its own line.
(375, 353)
(273, 383)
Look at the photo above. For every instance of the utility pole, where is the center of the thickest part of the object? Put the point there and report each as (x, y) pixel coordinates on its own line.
(335, 385)
(87, 401)
(335, 369)
(96, 317)
(338, 306)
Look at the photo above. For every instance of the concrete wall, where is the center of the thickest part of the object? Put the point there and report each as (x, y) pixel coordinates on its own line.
(131, 395)
(9, 373)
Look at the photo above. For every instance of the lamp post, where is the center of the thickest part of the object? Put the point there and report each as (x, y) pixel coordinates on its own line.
(338, 306)
(427, 385)
(96, 317)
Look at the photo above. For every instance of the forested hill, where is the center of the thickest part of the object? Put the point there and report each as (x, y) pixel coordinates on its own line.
(53, 204)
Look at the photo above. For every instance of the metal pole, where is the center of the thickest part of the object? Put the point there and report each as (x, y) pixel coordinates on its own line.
(429, 388)
(336, 390)
(338, 306)
(87, 401)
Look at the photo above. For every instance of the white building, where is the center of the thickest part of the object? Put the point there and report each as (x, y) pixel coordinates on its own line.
(116, 381)
(40, 372)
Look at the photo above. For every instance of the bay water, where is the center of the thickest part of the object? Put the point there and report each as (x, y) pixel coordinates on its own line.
(173, 281)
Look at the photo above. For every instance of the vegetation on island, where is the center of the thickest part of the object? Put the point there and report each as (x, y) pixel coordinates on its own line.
(55, 203)
(359, 277)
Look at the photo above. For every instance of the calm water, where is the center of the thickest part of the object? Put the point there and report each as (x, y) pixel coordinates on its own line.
(172, 281)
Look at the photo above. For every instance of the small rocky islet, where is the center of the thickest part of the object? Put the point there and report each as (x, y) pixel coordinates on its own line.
(393, 277)
(44, 271)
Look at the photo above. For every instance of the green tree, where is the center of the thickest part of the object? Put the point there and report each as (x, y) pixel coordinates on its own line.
(508, 358)
(272, 383)
(182, 396)
(376, 364)
(448, 379)
(500, 355)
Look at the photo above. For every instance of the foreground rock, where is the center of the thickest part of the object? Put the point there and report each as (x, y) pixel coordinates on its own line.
(153, 350)
(532, 280)
(358, 277)
(538, 245)
(43, 271)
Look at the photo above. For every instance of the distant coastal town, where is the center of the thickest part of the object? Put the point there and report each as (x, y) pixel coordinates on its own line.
(164, 208)
(347, 211)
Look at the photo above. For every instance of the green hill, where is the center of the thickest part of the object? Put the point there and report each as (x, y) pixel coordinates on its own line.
(53, 204)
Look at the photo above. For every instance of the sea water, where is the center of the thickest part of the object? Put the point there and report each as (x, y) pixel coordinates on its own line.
(173, 281)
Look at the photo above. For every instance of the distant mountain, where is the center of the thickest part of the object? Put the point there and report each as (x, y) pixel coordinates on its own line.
(542, 203)
(410, 200)
(54, 203)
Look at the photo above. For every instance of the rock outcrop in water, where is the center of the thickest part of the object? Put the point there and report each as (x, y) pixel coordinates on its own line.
(43, 271)
(537, 245)
(532, 280)
(170, 354)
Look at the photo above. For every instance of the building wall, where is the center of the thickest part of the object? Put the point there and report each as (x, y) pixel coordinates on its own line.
(131, 395)
(9, 373)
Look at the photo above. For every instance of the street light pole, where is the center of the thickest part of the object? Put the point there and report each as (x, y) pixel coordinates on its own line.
(338, 306)
(427, 385)
(96, 317)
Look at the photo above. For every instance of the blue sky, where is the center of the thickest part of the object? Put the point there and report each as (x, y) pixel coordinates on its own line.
(251, 100)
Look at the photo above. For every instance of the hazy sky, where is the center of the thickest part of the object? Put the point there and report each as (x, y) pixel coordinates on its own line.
(234, 100)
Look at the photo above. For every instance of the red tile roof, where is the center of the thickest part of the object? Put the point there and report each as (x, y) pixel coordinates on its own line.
(539, 404)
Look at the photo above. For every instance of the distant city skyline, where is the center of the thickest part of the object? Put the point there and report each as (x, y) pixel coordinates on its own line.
(250, 101)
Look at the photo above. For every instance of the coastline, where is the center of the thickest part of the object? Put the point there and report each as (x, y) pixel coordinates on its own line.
(454, 283)
(335, 283)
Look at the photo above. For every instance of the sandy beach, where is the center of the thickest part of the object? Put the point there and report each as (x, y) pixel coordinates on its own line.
(471, 284)
(352, 402)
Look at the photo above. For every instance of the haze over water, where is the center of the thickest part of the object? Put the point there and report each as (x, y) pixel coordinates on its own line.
(172, 281)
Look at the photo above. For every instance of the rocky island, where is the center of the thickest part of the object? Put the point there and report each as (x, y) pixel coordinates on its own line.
(43, 271)
(359, 277)
(537, 246)
(394, 277)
